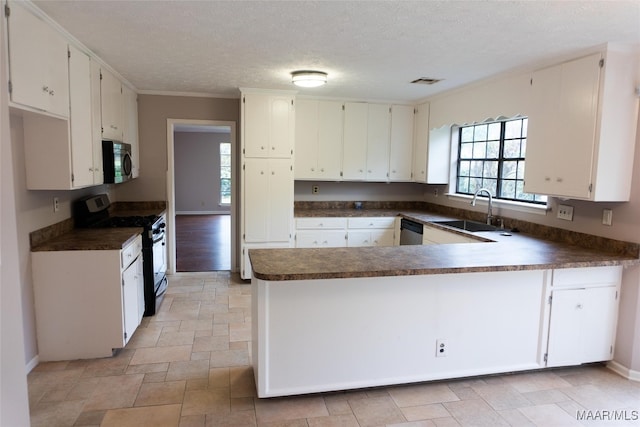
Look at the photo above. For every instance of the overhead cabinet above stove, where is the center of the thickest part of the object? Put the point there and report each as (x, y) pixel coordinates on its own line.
(56, 89)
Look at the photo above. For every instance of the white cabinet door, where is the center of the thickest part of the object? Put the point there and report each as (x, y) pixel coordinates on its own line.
(420, 142)
(268, 200)
(96, 123)
(38, 64)
(401, 143)
(330, 124)
(130, 294)
(306, 160)
(358, 238)
(561, 134)
(378, 132)
(320, 239)
(130, 131)
(269, 125)
(582, 128)
(80, 120)
(354, 159)
(582, 325)
(112, 107)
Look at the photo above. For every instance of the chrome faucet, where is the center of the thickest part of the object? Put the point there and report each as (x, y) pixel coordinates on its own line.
(489, 206)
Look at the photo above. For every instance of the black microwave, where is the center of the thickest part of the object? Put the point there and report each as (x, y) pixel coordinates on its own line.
(116, 162)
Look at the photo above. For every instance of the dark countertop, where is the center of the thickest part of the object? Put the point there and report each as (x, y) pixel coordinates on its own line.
(91, 239)
(502, 253)
(63, 236)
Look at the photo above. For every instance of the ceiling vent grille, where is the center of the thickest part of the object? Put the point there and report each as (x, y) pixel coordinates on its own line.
(426, 81)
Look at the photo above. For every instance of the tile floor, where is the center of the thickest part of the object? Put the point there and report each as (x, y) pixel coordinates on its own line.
(189, 366)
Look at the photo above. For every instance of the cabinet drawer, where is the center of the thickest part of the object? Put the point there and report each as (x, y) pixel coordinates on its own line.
(129, 254)
(371, 222)
(580, 277)
(320, 223)
(320, 239)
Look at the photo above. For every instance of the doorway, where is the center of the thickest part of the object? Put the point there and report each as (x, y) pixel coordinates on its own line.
(200, 193)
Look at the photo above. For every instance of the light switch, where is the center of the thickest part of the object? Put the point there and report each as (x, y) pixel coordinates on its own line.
(565, 212)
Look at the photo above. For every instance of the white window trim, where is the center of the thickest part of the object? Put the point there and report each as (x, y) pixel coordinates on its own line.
(531, 208)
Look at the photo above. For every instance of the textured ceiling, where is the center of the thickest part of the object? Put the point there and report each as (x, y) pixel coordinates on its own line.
(370, 49)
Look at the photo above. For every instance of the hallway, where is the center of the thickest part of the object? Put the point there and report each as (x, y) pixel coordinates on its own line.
(203, 243)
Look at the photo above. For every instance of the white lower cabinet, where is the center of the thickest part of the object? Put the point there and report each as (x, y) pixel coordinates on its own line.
(329, 232)
(87, 302)
(583, 315)
(371, 231)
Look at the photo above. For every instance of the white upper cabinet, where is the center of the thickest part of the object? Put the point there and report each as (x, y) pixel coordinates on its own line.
(582, 128)
(378, 132)
(318, 140)
(96, 123)
(354, 154)
(366, 141)
(268, 125)
(80, 120)
(38, 66)
(401, 143)
(112, 107)
(420, 143)
(130, 131)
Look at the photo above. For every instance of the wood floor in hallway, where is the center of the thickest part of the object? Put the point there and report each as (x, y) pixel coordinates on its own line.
(203, 243)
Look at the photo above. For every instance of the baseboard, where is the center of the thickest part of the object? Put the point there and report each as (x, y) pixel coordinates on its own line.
(33, 363)
(622, 370)
(203, 213)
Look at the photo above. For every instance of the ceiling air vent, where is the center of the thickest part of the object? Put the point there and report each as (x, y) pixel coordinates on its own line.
(426, 81)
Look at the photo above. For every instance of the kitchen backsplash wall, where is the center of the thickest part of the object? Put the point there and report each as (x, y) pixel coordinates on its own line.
(357, 191)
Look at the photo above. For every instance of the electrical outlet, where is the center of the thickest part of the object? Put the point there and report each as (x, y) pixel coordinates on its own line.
(56, 204)
(441, 348)
(607, 216)
(315, 189)
(565, 212)
(435, 192)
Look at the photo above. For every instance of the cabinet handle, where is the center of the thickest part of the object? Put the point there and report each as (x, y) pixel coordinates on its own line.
(45, 89)
(273, 148)
(546, 178)
(313, 170)
(558, 179)
(262, 147)
(579, 306)
(322, 170)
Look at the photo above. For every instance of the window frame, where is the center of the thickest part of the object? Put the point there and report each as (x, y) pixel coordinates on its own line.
(498, 181)
(221, 196)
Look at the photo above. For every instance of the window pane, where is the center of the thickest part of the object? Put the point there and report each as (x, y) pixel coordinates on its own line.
(480, 133)
(508, 190)
(463, 185)
(464, 168)
(513, 129)
(476, 168)
(509, 170)
(493, 149)
(490, 170)
(466, 134)
(494, 131)
(479, 150)
(466, 151)
(512, 148)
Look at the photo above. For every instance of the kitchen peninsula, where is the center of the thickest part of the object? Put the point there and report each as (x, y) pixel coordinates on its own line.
(345, 318)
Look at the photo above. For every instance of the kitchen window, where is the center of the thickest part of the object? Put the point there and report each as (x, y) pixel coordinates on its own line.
(492, 155)
(225, 173)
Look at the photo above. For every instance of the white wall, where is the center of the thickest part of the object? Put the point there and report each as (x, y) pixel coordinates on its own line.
(197, 172)
(357, 191)
(14, 402)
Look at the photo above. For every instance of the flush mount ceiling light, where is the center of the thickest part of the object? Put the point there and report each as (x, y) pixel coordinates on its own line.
(307, 78)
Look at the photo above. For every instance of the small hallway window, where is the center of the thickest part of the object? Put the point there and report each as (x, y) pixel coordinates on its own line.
(225, 173)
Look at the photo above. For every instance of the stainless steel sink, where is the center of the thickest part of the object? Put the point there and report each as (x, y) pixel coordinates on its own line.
(472, 226)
